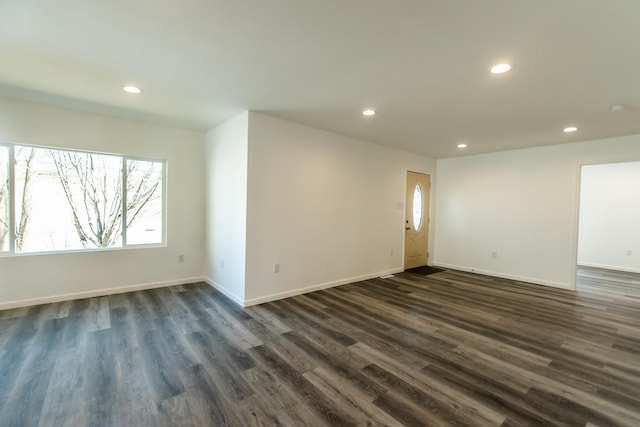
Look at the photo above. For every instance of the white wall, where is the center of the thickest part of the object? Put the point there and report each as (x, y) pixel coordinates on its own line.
(327, 208)
(522, 204)
(226, 189)
(610, 216)
(30, 279)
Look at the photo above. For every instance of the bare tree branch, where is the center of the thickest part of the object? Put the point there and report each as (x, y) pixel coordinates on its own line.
(22, 228)
(93, 189)
(60, 161)
(4, 205)
(144, 192)
(95, 197)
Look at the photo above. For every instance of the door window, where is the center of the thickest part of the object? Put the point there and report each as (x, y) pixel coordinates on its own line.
(418, 207)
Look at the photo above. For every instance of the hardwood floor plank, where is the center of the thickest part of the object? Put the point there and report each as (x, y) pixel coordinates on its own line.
(452, 348)
(295, 356)
(24, 403)
(14, 313)
(620, 415)
(269, 389)
(494, 348)
(313, 398)
(301, 416)
(383, 360)
(222, 369)
(316, 322)
(181, 314)
(428, 403)
(207, 398)
(406, 412)
(176, 411)
(268, 320)
(98, 316)
(234, 330)
(12, 360)
(58, 310)
(123, 335)
(65, 388)
(491, 394)
(341, 366)
(137, 404)
(563, 409)
(400, 354)
(162, 378)
(100, 372)
(238, 359)
(345, 395)
(255, 412)
(7, 328)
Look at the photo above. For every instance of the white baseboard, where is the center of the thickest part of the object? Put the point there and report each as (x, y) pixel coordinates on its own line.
(97, 293)
(232, 296)
(318, 287)
(532, 280)
(609, 267)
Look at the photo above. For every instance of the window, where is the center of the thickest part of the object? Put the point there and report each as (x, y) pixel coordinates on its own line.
(4, 198)
(417, 207)
(144, 202)
(72, 200)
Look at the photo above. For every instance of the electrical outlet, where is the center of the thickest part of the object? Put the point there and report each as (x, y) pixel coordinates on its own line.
(276, 268)
(494, 254)
(391, 252)
(181, 258)
(629, 252)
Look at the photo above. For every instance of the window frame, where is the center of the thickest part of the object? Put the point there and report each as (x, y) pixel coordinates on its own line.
(10, 201)
(11, 252)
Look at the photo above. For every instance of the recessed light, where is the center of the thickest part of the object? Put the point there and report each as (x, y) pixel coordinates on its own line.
(463, 145)
(131, 89)
(500, 68)
(369, 112)
(570, 129)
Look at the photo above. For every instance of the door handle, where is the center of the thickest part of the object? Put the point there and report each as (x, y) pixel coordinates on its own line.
(407, 228)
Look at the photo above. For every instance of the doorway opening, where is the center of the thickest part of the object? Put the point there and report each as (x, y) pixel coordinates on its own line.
(608, 257)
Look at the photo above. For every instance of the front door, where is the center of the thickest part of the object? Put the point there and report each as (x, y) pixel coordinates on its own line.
(416, 220)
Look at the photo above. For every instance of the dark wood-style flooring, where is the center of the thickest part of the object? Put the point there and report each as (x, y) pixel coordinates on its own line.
(446, 349)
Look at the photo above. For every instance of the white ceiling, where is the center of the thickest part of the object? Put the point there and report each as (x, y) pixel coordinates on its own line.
(423, 64)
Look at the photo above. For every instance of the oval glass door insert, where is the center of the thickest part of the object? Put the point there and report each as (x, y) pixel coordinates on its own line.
(418, 206)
